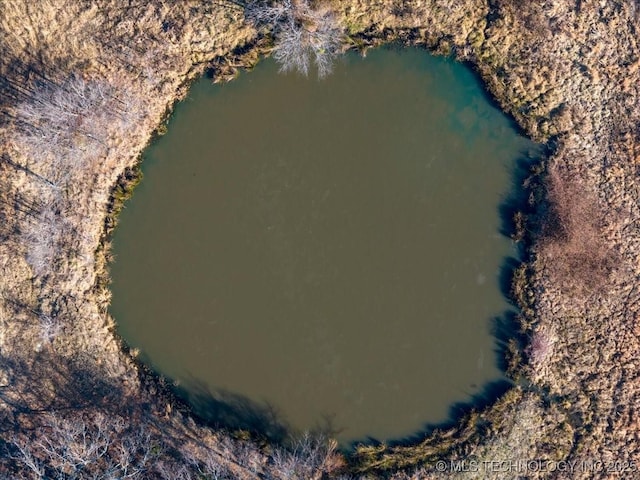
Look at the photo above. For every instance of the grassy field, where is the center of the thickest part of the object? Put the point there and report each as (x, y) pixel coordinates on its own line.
(83, 87)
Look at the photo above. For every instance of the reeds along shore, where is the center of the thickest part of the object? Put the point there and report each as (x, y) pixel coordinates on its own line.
(85, 85)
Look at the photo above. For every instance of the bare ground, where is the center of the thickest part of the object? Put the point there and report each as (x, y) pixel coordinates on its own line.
(566, 71)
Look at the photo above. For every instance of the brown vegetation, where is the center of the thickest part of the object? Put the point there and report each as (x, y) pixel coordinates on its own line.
(572, 237)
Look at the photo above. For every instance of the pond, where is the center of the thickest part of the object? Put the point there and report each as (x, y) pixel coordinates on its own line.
(323, 253)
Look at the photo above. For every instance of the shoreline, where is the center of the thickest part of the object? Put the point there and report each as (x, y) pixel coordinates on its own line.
(577, 395)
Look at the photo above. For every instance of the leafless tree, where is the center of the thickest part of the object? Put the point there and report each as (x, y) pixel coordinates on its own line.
(173, 471)
(43, 237)
(72, 444)
(207, 464)
(75, 447)
(26, 457)
(49, 328)
(311, 456)
(64, 128)
(302, 33)
(131, 457)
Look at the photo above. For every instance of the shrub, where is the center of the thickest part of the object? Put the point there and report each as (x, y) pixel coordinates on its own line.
(309, 457)
(572, 238)
(540, 347)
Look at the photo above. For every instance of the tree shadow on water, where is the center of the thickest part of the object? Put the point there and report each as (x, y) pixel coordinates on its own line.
(516, 211)
(224, 409)
(505, 328)
(487, 396)
(505, 277)
(517, 204)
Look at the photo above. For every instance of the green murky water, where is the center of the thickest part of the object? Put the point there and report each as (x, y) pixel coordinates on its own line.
(327, 250)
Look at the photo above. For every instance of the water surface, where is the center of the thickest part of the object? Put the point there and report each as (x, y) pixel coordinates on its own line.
(328, 248)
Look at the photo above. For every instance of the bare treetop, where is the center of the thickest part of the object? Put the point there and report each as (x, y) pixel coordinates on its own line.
(64, 128)
(302, 33)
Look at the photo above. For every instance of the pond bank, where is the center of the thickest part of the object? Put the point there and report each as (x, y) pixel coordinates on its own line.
(291, 238)
(567, 72)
